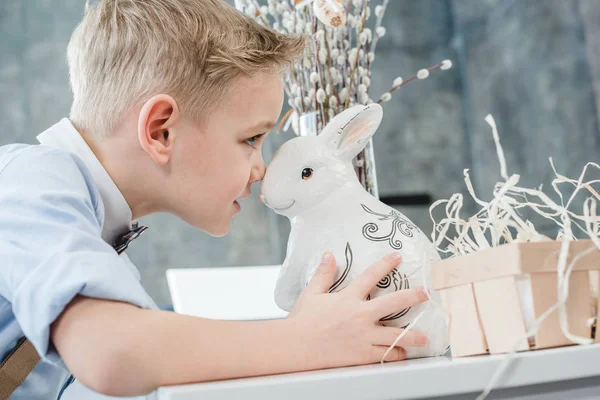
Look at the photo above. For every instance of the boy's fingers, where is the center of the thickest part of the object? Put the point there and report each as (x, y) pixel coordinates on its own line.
(385, 336)
(323, 277)
(395, 354)
(366, 281)
(392, 303)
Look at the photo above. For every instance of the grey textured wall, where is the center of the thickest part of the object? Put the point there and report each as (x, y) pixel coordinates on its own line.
(533, 64)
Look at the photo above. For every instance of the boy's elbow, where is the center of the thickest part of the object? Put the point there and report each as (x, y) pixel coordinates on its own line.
(116, 374)
(108, 367)
(99, 341)
(101, 378)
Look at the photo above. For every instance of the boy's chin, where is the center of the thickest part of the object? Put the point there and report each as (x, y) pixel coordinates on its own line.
(219, 229)
(218, 233)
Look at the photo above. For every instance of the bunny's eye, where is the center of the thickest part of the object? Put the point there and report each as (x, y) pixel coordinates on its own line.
(307, 173)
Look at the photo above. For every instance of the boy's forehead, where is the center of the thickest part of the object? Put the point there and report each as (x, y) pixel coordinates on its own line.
(256, 101)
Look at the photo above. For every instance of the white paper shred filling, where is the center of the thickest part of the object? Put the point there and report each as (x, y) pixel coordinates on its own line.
(500, 221)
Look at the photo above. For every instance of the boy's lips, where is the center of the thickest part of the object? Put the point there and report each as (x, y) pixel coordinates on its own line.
(236, 203)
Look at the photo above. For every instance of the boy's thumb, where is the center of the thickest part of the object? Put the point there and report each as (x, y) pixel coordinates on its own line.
(323, 278)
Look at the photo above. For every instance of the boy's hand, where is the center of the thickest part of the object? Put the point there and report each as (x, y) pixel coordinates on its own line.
(343, 328)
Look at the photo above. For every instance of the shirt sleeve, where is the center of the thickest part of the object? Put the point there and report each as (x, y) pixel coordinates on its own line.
(51, 248)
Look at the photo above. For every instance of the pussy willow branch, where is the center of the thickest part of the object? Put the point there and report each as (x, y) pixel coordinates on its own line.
(393, 89)
(355, 66)
(378, 24)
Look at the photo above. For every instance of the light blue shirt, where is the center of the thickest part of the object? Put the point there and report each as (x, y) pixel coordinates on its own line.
(60, 212)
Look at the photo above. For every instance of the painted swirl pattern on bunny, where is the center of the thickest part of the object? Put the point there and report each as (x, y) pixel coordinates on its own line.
(312, 182)
(399, 224)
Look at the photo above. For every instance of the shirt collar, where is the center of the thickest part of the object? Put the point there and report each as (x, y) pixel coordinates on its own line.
(117, 213)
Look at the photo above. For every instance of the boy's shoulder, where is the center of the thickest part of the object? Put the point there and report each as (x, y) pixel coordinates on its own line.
(24, 159)
(45, 168)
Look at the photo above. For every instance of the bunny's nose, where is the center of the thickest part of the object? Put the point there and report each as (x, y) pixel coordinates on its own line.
(261, 197)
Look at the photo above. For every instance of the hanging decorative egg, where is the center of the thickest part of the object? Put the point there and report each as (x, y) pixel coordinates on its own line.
(330, 12)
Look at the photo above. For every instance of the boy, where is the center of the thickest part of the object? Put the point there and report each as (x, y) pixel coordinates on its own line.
(172, 101)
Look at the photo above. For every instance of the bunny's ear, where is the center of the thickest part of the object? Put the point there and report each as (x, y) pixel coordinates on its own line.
(351, 133)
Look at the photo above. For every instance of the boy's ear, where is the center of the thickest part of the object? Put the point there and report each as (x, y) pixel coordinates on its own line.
(156, 120)
(356, 126)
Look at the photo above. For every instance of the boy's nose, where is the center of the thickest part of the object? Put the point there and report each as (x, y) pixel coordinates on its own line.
(262, 169)
(258, 172)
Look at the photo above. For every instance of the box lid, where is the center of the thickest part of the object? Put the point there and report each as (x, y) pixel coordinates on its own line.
(510, 259)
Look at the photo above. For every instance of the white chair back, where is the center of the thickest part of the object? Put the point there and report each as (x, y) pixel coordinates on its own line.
(229, 293)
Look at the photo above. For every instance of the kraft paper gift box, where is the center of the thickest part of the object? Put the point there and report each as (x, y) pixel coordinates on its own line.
(494, 296)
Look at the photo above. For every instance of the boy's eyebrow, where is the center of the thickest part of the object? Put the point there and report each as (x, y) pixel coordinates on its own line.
(263, 125)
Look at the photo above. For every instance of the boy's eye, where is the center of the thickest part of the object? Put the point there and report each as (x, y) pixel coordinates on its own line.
(307, 173)
(252, 141)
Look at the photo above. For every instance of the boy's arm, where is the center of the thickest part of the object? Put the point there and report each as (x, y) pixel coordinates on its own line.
(122, 350)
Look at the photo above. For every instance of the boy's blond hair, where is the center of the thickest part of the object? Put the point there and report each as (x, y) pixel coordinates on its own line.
(125, 51)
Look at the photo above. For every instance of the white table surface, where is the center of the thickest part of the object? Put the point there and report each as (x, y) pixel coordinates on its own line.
(573, 372)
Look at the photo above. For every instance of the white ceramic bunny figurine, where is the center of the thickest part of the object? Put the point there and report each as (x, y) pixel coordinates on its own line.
(311, 180)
